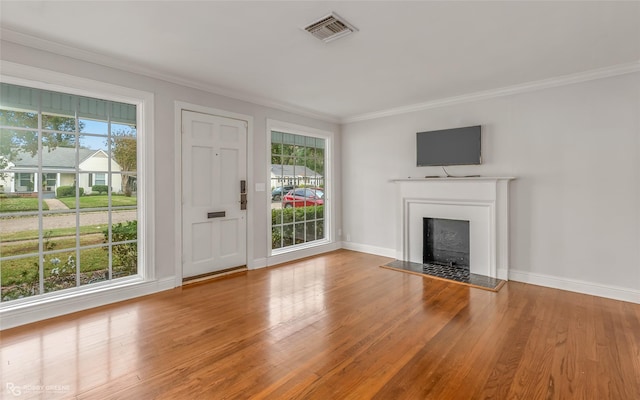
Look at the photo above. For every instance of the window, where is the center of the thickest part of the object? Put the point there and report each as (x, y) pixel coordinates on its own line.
(100, 179)
(298, 214)
(90, 238)
(97, 179)
(49, 181)
(25, 182)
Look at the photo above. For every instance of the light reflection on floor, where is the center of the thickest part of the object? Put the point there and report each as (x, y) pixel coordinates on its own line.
(86, 360)
(295, 293)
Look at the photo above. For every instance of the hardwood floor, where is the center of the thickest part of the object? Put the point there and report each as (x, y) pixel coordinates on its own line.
(332, 327)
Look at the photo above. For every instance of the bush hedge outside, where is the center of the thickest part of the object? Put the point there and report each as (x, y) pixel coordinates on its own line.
(125, 256)
(301, 213)
(100, 189)
(68, 191)
(286, 232)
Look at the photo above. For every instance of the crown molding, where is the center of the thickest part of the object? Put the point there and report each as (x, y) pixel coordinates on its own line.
(563, 80)
(128, 66)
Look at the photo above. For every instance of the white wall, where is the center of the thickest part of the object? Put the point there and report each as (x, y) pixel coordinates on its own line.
(164, 130)
(575, 206)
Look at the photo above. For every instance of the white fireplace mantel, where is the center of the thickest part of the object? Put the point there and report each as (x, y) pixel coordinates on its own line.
(483, 201)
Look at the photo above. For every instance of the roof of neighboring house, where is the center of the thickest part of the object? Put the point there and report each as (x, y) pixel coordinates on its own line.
(60, 157)
(293, 170)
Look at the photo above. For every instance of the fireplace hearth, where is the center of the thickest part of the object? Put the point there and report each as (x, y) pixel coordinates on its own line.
(450, 273)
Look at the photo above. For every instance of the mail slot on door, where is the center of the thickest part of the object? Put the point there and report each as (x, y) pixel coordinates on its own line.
(217, 214)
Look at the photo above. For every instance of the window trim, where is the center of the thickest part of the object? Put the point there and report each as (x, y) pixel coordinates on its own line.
(16, 313)
(330, 208)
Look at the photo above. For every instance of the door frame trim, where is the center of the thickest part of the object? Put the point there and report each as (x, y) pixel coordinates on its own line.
(180, 106)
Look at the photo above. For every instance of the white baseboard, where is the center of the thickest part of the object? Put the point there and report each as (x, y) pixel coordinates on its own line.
(610, 292)
(364, 248)
(22, 314)
(258, 263)
(312, 251)
(503, 274)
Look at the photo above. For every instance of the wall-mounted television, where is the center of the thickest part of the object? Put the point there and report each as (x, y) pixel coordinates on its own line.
(457, 146)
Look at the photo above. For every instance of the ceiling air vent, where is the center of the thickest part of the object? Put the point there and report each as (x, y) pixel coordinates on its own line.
(330, 27)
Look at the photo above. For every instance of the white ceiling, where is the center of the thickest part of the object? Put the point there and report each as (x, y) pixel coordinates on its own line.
(404, 53)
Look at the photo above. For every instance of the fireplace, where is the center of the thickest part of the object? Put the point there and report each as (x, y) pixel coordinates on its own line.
(445, 242)
(480, 202)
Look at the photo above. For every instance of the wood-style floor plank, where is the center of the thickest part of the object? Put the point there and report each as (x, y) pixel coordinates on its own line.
(335, 326)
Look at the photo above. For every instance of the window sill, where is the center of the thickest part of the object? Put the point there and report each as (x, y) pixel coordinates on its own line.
(24, 311)
(297, 252)
(298, 247)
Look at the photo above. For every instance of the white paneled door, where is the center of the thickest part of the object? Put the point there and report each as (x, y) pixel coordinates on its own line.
(214, 173)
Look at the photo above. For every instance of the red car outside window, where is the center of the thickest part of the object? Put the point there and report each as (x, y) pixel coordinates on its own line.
(303, 197)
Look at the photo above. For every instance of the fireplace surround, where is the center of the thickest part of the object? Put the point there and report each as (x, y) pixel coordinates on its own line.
(483, 201)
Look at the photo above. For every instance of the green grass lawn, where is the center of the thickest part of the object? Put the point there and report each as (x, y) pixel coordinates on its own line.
(99, 201)
(26, 243)
(90, 260)
(53, 233)
(19, 204)
(12, 271)
(19, 277)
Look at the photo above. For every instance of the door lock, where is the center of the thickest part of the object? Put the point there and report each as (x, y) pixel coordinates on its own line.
(243, 195)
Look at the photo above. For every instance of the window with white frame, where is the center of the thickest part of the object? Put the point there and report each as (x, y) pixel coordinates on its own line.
(49, 181)
(25, 181)
(100, 179)
(298, 183)
(73, 237)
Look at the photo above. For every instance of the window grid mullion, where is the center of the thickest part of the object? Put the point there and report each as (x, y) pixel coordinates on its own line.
(40, 200)
(108, 179)
(77, 172)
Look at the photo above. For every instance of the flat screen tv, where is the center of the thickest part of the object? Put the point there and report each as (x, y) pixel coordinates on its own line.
(458, 146)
